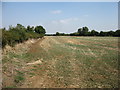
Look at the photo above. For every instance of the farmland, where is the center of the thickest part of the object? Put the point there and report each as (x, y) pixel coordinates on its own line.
(62, 62)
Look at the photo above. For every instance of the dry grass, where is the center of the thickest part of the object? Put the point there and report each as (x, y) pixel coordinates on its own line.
(60, 62)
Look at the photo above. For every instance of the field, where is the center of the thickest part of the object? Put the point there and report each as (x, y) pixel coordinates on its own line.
(62, 62)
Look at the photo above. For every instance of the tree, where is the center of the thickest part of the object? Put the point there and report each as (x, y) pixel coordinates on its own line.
(57, 33)
(101, 33)
(40, 30)
(94, 33)
(19, 27)
(80, 31)
(83, 31)
(30, 29)
(110, 33)
(117, 33)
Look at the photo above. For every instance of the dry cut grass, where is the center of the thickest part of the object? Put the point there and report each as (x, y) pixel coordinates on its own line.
(64, 62)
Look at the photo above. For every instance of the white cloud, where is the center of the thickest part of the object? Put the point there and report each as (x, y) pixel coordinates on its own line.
(56, 12)
(65, 21)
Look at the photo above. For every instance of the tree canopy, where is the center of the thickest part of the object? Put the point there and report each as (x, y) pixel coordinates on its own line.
(84, 31)
(40, 30)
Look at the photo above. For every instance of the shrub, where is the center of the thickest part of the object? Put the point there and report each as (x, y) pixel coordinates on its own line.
(20, 34)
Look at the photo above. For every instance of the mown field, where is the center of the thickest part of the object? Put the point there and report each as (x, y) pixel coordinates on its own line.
(62, 62)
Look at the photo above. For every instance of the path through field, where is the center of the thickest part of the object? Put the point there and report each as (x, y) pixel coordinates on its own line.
(72, 62)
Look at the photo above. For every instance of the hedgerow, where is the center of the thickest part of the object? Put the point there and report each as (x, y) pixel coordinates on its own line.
(20, 34)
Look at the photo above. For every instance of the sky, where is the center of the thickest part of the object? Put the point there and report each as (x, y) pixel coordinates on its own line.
(119, 15)
(65, 17)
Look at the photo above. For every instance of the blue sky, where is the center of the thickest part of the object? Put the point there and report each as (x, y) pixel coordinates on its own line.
(64, 17)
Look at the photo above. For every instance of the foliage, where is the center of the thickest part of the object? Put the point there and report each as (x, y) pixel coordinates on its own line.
(57, 33)
(60, 34)
(74, 34)
(20, 34)
(84, 31)
(117, 33)
(40, 30)
(94, 33)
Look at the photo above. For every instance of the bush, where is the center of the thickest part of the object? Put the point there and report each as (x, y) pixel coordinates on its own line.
(20, 34)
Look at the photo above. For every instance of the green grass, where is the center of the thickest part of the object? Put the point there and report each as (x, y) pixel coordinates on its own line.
(10, 87)
(19, 77)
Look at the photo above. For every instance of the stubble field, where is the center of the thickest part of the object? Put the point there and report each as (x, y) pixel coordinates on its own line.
(62, 62)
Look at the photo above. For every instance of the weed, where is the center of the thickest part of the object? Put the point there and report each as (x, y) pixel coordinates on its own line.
(10, 87)
(19, 77)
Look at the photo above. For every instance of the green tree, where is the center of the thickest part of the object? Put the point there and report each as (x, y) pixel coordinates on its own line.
(57, 33)
(30, 29)
(19, 27)
(117, 33)
(83, 31)
(110, 33)
(94, 33)
(80, 31)
(40, 30)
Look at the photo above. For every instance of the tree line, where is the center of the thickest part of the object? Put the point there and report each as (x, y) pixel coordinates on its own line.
(84, 31)
(19, 34)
